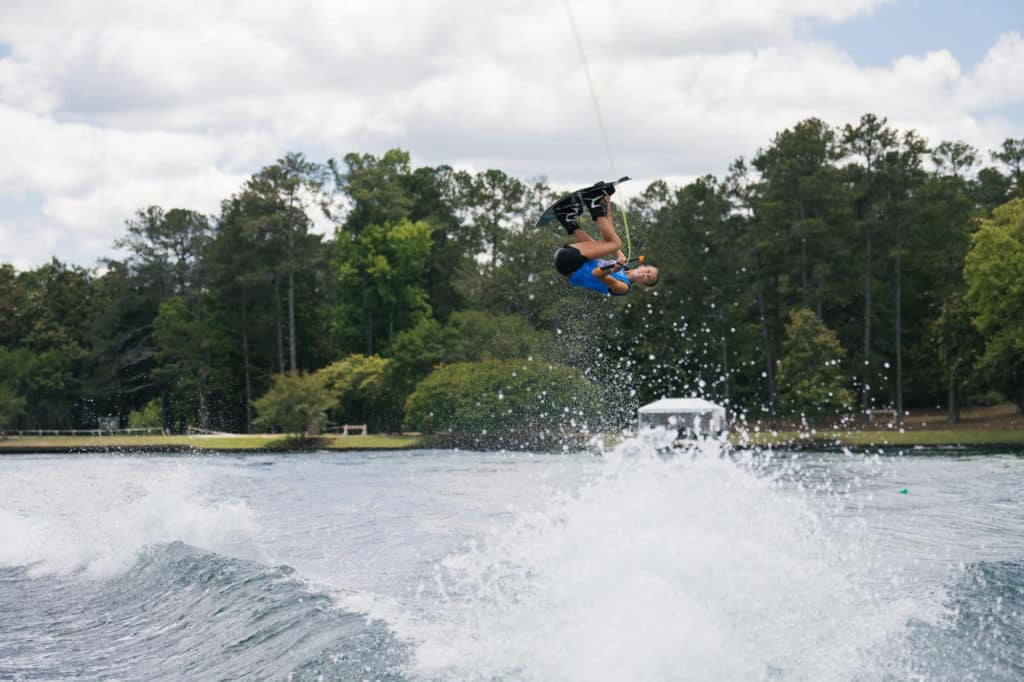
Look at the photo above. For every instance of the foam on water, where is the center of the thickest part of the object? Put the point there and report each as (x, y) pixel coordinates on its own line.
(96, 515)
(694, 567)
(627, 566)
(182, 613)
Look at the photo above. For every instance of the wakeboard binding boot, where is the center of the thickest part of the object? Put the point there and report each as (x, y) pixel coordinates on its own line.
(594, 198)
(568, 212)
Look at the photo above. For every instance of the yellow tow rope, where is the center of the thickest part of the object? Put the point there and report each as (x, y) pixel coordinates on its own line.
(600, 122)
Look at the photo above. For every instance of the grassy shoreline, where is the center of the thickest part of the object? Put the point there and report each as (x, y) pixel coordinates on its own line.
(1013, 438)
(994, 426)
(979, 426)
(201, 443)
(883, 438)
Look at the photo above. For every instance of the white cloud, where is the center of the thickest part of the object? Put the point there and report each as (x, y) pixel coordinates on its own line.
(108, 107)
(999, 78)
(27, 243)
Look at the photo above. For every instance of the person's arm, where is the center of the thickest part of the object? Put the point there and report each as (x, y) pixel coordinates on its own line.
(615, 286)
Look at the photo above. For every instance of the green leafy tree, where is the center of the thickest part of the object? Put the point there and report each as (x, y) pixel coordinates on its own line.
(468, 336)
(505, 396)
(478, 335)
(16, 374)
(16, 368)
(55, 386)
(957, 346)
(995, 296)
(59, 305)
(414, 352)
(944, 208)
(295, 404)
(811, 380)
(1011, 153)
(388, 190)
(163, 253)
(494, 207)
(523, 282)
(799, 187)
(14, 308)
(190, 361)
(359, 386)
(744, 195)
(990, 188)
(431, 266)
(377, 188)
(240, 273)
(282, 195)
(941, 341)
(869, 142)
(678, 337)
(151, 416)
(381, 284)
(954, 159)
(164, 249)
(121, 340)
(246, 267)
(904, 175)
(12, 407)
(508, 270)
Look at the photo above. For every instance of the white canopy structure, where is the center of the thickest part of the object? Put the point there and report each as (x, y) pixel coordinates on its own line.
(691, 417)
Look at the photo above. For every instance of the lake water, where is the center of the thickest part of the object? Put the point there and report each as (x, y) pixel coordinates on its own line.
(443, 565)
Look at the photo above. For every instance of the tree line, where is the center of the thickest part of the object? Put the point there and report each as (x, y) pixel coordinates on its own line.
(836, 270)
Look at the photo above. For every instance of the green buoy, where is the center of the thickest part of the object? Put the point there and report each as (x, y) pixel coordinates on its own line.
(903, 492)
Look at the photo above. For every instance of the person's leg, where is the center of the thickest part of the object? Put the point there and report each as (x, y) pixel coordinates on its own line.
(600, 248)
(609, 244)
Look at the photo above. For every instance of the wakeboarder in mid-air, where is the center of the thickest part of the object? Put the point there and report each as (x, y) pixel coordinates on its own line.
(597, 264)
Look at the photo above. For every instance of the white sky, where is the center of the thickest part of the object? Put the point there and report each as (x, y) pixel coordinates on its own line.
(109, 106)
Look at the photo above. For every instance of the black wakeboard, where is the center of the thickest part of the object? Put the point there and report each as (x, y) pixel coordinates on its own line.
(574, 198)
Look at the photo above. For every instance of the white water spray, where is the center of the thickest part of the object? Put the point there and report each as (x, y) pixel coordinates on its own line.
(694, 567)
(96, 514)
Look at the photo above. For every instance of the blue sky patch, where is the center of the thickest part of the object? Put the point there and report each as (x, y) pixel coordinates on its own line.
(915, 27)
(21, 205)
(1012, 112)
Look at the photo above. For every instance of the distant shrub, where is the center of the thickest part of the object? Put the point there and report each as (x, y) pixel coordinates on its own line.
(151, 416)
(295, 404)
(811, 379)
(501, 396)
(359, 390)
(468, 336)
(987, 398)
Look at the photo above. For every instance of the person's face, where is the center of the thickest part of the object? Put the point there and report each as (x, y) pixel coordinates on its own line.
(645, 274)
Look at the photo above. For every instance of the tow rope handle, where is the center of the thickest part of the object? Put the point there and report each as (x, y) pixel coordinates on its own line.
(628, 265)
